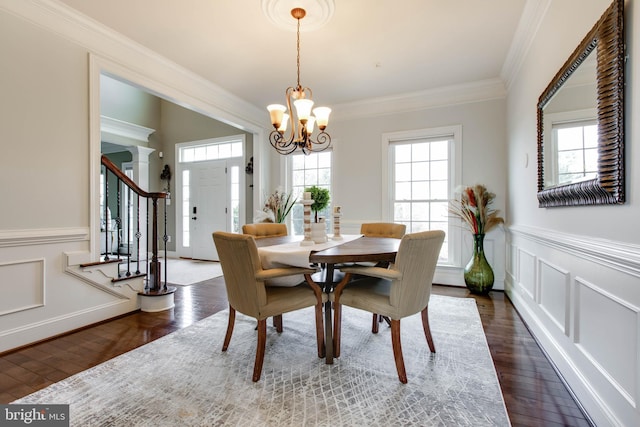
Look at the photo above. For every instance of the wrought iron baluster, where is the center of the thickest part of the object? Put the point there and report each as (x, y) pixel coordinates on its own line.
(127, 240)
(148, 286)
(138, 235)
(118, 221)
(165, 239)
(106, 215)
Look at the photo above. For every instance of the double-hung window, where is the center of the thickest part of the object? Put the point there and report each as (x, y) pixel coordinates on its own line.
(422, 173)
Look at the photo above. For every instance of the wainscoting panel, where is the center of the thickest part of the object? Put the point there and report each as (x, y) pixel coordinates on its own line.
(24, 281)
(42, 295)
(611, 349)
(580, 298)
(554, 294)
(512, 261)
(527, 273)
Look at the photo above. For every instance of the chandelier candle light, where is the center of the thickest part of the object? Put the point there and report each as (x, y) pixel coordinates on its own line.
(302, 122)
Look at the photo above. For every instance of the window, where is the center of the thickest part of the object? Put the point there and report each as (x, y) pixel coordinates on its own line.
(576, 151)
(307, 171)
(421, 177)
(211, 151)
(186, 211)
(209, 173)
(235, 199)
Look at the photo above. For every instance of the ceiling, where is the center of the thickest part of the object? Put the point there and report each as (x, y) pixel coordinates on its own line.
(367, 49)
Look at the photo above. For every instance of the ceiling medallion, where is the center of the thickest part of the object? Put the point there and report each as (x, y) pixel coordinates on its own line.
(319, 12)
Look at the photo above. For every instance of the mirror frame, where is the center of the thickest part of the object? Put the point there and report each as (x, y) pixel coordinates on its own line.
(608, 187)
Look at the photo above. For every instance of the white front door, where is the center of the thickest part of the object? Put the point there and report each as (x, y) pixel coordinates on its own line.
(206, 199)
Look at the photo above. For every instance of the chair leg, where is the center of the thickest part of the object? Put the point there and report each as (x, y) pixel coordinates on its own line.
(397, 350)
(262, 340)
(232, 320)
(337, 328)
(374, 325)
(277, 322)
(320, 331)
(427, 329)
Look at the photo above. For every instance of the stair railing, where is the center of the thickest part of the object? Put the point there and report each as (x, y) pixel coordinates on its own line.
(154, 283)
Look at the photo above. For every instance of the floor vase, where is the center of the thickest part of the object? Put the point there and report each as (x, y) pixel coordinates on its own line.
(478, 274)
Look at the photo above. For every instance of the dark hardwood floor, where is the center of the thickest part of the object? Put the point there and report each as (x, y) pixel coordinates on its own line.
(533, 392)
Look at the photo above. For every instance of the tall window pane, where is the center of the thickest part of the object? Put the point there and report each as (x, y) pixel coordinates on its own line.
(307, 171)
(420, 190)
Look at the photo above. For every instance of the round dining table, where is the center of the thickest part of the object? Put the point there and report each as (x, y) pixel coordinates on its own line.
(349, 251)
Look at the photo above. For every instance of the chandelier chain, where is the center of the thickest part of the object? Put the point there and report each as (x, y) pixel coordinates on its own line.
(302, 122)
(298, 57)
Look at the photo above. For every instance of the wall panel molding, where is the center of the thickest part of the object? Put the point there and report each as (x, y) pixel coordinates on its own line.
(30, 273)
(554, 293)
(595, 336)
(584, 311)
(620, 256)
(527, 277)
(13, 238)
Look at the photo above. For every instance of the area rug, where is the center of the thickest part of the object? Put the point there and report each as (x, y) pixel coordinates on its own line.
(186, 272)
(183, 379)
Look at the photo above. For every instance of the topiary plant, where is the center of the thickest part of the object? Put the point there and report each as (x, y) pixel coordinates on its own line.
(320, 198)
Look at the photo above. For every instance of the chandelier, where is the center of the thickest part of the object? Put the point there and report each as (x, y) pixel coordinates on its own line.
(300, 133)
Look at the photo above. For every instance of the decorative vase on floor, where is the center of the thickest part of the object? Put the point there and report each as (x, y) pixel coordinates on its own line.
(478, 274)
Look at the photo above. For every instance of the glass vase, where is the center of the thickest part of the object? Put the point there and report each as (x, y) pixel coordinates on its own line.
(478, 274)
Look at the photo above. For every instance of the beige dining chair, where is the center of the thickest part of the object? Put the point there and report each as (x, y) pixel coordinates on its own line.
(399, 291)
(245, 278)
(381, 229)
(260, 230)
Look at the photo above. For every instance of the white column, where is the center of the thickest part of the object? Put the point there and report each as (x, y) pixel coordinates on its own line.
(140, 162)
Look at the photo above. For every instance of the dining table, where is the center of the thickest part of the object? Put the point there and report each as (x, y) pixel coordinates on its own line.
(349, 249)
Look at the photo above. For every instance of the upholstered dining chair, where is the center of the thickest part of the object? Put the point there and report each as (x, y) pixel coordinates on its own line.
(245, 279)
(399, 291)
(261, 230)
(381, 229)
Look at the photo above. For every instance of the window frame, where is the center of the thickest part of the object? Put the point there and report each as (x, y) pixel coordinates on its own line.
(454, 133)
(552, 121)
(288, 179)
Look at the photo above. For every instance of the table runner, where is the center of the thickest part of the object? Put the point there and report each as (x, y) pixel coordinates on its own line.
(292, 254)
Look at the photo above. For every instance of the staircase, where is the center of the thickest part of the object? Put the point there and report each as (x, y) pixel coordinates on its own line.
(126, 261)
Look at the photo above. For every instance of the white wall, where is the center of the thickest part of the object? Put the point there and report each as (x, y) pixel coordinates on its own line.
(357, 176)
(573, 272)
(50, 140)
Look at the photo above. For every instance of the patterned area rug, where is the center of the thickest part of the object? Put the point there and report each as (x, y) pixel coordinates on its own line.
(184, 379)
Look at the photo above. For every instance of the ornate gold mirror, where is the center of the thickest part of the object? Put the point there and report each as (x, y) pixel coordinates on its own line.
(581, 121)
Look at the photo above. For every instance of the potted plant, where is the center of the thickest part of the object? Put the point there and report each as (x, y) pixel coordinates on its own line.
(320, 198)
(279, 204)
(474, 209)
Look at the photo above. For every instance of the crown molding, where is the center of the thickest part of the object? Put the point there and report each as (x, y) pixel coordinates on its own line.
(467, 93)
(203, 95)
(114, 127)
(528, 26)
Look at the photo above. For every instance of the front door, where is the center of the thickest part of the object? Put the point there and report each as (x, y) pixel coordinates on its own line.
(206, 198)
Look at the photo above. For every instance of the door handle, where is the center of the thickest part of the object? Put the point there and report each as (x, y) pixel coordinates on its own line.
(194, 217)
